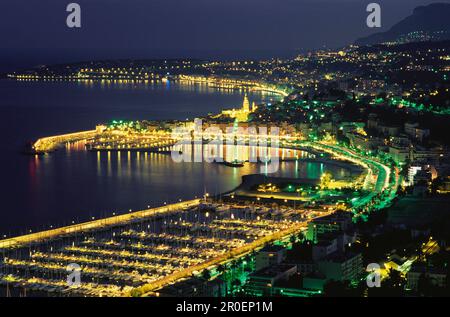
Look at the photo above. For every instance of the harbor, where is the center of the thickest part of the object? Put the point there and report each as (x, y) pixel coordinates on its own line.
(136, 254)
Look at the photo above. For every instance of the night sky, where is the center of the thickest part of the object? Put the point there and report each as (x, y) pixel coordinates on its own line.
(34, 31)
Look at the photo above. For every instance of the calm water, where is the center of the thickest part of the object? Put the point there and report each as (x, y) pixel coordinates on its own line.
(75, 185)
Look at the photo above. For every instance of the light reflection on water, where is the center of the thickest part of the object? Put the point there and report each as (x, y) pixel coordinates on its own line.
(75, 185)
(236, 153)
(81, 184)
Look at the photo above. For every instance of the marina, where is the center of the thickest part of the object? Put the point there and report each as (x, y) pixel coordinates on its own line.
(124, 258)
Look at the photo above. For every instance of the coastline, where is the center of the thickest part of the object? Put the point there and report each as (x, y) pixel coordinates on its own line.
(138, 217)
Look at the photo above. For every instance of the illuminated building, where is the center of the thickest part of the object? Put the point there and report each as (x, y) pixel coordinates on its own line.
(246, 104)
(241, 114)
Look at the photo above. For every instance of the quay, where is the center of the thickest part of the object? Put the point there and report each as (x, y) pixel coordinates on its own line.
(50, 144)
(41, 236)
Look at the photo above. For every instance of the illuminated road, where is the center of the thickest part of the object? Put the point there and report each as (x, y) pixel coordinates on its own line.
(378, 182)
(228, 83)
(381, 186)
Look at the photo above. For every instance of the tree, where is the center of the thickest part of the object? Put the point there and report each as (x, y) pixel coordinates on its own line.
(395, 280)
(206, 275)
(236, 285)
(392, 286)
(405, 169)
(221, 269)
(293, 239)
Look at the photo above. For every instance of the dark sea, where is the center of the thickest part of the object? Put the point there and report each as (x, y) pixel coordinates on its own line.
(75, 185)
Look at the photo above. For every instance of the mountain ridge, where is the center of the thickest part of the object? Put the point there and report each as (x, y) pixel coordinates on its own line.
(430, 22)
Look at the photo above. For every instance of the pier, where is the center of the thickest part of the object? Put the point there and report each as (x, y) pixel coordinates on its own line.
(49, 144)
(92, 225)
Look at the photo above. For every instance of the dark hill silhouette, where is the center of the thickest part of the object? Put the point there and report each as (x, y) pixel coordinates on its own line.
(432, 20)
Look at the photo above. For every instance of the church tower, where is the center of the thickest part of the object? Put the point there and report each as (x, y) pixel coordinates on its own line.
(246, 104)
